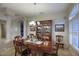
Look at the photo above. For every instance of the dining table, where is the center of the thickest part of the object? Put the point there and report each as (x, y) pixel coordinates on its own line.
(39, 47)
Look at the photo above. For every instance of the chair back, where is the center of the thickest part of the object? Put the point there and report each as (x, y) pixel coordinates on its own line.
(59, 38)
(18, 43)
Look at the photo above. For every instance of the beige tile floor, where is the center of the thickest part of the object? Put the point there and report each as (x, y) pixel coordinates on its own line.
(11, 52)
(64, 52)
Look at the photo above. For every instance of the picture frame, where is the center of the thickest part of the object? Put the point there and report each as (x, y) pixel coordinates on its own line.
(59, 27)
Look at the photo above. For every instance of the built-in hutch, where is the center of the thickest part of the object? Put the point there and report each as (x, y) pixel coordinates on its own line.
(44, 30)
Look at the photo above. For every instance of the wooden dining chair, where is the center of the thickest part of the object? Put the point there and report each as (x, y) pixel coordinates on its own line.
(51, 50)
(26, 52)
(18, 44)
(33, 48)
(59, 41)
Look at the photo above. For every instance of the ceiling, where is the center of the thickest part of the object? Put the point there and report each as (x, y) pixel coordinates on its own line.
(33, 9)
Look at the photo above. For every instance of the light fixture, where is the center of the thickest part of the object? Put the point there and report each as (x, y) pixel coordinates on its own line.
(32, 23)
(34, 3)
(38, 23)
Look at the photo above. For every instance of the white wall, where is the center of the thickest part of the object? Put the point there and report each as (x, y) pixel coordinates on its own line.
(47, 17)
(64, 34)
(12, 26)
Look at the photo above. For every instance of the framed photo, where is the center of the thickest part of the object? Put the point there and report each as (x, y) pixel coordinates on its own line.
(59, 27)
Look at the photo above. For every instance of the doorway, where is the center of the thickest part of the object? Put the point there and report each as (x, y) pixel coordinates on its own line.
(22, 28)
(2, 29)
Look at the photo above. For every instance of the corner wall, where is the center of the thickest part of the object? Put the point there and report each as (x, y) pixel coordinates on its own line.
(12, 27)
(64, 34)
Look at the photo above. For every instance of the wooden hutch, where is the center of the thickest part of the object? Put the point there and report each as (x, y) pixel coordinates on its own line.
(44, 30)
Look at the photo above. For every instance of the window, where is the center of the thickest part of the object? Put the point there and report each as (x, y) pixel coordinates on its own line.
(74, 11)
(74, 27)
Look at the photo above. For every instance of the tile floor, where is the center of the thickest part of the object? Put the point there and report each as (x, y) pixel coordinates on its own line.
(11, 52)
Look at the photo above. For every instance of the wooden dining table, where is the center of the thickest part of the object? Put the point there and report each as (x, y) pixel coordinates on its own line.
(39, 47)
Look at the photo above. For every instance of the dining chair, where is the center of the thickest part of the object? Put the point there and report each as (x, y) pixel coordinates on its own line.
(59, 41)
(33, 48)
(51, 50)
(26, 52)
(18, 44)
